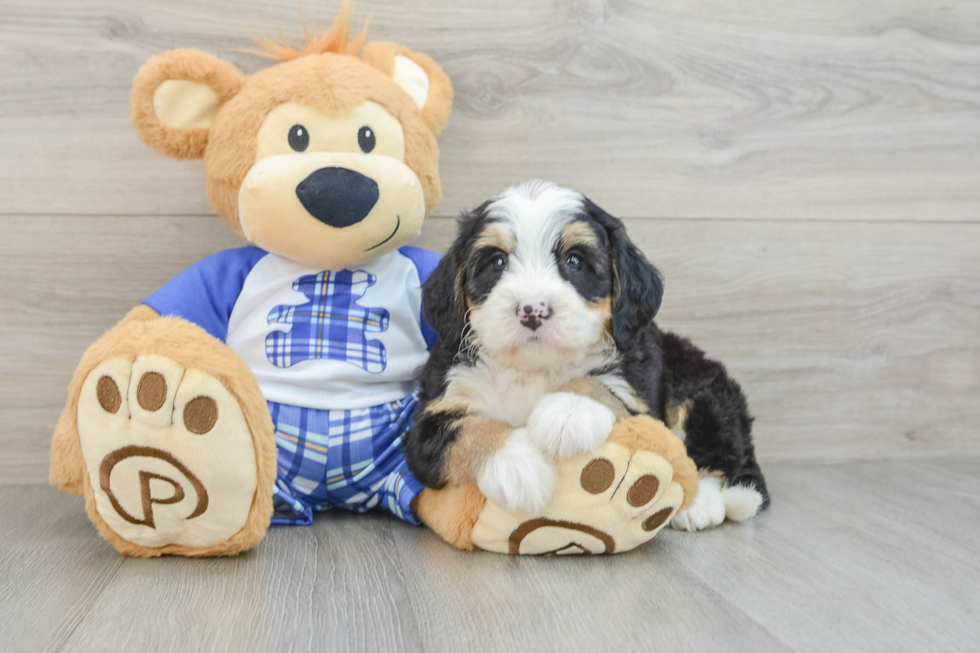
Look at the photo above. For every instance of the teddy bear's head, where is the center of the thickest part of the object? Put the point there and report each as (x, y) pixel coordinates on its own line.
(327, 158)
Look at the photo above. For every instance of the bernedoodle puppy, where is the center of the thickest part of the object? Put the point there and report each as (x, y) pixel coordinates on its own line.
(541, 288)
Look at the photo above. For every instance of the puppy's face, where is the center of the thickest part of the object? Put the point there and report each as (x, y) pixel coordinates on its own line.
(538, 276)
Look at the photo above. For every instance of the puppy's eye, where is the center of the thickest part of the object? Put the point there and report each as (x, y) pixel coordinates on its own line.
(299, 138)
(365, 138)
(499, 262)
(574, 262)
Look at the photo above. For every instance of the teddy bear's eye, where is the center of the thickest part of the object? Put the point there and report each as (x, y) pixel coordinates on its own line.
(299, 138)
(365, 138)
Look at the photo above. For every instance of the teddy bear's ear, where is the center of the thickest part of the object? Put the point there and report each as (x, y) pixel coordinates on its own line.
(419, 76)
(176, 96)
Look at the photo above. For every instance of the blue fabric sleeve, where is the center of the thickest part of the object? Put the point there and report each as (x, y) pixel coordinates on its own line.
(206, 292)
(425, 262)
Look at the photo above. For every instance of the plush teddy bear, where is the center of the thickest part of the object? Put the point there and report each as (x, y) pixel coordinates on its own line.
(271, 381)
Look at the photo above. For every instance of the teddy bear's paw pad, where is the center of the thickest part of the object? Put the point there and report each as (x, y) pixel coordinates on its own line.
(169, 454)
(607, 501)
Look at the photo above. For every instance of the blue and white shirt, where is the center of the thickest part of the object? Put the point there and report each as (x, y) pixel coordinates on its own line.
(314, 338)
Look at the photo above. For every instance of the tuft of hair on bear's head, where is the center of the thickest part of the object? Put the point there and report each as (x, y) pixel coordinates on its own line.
(335, 40)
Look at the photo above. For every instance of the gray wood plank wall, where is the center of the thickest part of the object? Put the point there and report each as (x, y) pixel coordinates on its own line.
(806, 175)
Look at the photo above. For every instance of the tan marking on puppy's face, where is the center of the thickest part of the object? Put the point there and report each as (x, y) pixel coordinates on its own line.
(463, 296)
(578, 233)
(604, 308)
(336, 179)
(495, 235)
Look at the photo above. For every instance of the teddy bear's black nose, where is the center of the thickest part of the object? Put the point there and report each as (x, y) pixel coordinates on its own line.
(337, 196)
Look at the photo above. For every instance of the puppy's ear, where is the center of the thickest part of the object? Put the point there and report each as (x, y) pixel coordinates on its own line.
(442, 297)
(638, 287)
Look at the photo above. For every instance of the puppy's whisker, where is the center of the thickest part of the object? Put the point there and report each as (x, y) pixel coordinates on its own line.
(467, 344)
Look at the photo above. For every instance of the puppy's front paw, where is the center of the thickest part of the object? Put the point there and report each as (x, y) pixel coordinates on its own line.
(565, 424)
(518, 478)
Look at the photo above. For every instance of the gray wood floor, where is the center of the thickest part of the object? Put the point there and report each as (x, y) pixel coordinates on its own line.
(896, 570)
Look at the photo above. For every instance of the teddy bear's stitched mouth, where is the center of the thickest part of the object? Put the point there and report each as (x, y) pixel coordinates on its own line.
(398, 223)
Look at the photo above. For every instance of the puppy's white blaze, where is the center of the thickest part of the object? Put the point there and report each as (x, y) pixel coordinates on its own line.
(707, 511)
(741, 502)
(518, 477)
(535, 213)
(534, 204)
(565, 424)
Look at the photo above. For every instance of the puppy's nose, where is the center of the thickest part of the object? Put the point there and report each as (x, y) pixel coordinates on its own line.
(337, 196)
(533, 312)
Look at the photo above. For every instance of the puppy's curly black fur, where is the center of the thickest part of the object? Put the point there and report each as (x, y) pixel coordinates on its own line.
(718, 430)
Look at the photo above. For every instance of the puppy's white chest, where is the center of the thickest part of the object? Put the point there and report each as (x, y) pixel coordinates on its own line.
(507, 395)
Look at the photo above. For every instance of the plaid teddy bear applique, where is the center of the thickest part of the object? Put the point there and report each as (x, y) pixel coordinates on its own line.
(331, 324)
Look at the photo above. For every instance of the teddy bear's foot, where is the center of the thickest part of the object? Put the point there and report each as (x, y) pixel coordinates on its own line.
(169, 457)
(607, 501)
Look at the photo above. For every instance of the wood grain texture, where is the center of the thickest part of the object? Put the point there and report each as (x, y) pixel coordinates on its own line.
(334, 587)
(852, 340)
(851, 556)
(682, 108)
(53, 567)
(624, 603)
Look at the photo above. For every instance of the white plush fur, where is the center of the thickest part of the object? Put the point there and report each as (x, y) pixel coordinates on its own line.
(499, 392)
(741, 502)
(565, 424)
(518, 478)
(707, 511)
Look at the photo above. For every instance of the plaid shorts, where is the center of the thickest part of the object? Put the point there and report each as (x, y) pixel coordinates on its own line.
(347, 458)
